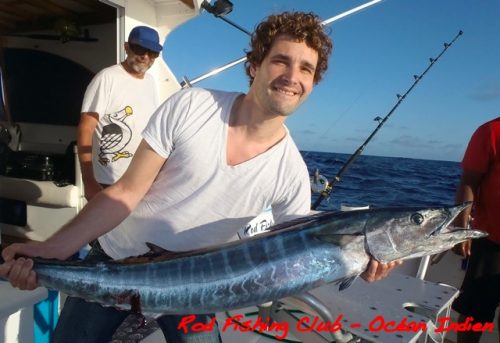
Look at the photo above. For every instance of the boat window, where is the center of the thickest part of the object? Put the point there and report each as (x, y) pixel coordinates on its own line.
(50, 91)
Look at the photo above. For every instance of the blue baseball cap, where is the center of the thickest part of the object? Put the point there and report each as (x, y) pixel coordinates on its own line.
(145, 37)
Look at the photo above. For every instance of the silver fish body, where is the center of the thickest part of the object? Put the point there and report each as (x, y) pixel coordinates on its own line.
(294, 257)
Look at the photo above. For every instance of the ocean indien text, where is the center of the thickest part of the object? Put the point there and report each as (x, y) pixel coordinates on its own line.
(240, 323)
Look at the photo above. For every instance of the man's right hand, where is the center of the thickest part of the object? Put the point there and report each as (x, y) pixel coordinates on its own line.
(19, 271)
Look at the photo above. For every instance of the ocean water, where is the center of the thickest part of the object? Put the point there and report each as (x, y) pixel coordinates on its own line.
(385, 181)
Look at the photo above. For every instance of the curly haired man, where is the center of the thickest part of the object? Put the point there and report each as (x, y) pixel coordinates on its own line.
(209, 161)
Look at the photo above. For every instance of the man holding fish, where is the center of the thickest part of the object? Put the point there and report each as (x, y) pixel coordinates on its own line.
(209, 161)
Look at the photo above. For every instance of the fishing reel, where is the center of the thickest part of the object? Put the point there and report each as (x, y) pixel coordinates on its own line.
(319, 183)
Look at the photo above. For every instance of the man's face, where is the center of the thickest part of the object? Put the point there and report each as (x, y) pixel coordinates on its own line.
(139, 58)
(285, 77)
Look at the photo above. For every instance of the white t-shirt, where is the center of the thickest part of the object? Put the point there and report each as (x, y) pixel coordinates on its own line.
(197, 199)
(124, 105)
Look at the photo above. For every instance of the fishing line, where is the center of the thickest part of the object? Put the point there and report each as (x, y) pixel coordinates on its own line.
(328, 187)
(335, 122)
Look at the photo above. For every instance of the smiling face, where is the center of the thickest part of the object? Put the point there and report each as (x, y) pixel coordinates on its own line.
(285, 77)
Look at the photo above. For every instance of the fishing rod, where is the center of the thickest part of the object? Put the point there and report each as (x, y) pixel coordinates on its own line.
(328, 186)
(186, 83)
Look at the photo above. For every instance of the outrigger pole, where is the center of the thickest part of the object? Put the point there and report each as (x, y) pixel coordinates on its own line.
(329, 187)
(219, 9)
(186, 83)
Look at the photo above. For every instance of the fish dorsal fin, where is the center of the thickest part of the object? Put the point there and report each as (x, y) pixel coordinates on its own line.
(155, 249)
(346, 282)
(337, 239)
(155, 253)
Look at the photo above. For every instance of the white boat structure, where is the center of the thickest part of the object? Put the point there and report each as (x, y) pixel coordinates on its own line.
(49, 51)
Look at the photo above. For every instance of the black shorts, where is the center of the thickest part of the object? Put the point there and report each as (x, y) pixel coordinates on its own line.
(480, 292)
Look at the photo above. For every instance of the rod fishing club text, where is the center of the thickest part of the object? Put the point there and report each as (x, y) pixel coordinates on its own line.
(241, 323)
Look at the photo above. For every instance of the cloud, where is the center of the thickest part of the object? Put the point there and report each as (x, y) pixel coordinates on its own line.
(328, 137)
(354, 139)
(453, 147)
(409, 141)
(487, 91)
(413, 142)
(306, 132)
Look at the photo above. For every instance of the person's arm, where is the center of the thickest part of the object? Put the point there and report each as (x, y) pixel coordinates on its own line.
(104, 212)
(469, 184)
(86, 128)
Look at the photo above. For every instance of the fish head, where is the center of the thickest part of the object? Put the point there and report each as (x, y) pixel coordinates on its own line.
(404, 233)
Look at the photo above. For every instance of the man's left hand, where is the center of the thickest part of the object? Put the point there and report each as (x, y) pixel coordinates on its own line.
(377, 271)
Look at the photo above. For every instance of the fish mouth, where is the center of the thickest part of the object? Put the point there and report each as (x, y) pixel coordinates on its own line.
(472, 233)
(453, 212)
(453, 235)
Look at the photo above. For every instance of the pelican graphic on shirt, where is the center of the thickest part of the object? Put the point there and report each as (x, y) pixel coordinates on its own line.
(115, 136)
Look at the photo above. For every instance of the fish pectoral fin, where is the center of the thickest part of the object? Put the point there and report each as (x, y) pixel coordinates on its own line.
(346, 282)
(337, 239)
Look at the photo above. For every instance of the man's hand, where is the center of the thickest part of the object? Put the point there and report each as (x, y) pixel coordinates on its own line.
(19, 271)
(377, 271)
(463, 249)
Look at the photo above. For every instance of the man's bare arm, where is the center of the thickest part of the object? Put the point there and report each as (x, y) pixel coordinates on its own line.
(86, 128)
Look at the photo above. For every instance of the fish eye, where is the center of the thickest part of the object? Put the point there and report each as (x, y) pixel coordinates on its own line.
(417, 218)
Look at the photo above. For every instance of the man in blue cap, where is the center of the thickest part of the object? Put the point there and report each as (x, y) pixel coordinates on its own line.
(116, 108)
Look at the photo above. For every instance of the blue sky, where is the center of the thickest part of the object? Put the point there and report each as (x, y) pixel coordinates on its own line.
(376, 53)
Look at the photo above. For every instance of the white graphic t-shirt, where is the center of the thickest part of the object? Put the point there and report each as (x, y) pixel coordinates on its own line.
(124, 104)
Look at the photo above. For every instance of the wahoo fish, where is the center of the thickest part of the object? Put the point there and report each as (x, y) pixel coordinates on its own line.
(292, 258)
